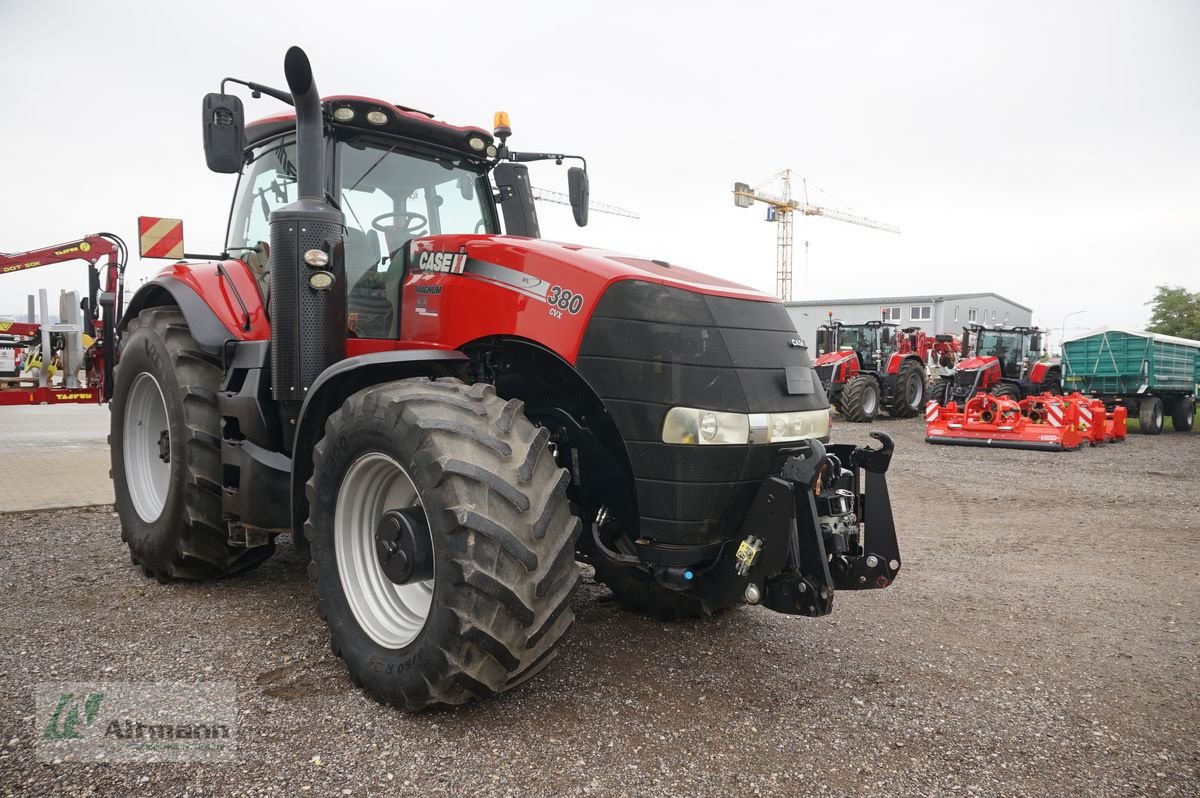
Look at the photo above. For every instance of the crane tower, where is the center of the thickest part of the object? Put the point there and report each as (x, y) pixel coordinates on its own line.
(780, 209)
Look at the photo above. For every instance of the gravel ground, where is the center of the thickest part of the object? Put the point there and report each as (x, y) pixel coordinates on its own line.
(1043, 639)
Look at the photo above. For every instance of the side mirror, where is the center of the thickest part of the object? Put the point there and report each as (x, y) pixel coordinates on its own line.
(1035, 344)
(224, 133)
(577, 187)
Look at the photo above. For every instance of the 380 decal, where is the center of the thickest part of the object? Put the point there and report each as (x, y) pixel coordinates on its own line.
(564, 299)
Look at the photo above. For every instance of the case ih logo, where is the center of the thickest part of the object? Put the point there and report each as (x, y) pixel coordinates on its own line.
(445, 262)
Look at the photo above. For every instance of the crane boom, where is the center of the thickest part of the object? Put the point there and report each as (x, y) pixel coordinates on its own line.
(783, 206)
(546, 195)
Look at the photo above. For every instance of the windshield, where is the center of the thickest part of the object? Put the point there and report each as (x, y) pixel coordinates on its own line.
(1007, 346)
(858, 338)
(390, 197)
(387, 197)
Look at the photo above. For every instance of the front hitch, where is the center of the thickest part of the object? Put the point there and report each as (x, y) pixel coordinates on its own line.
(823, 524)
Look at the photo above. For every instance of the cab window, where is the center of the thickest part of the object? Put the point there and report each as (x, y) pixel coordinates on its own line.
(268, 182)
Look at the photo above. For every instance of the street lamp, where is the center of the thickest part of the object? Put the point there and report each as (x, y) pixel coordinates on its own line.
(1063, 335)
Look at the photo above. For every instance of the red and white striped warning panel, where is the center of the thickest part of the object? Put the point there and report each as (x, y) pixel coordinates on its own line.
(160, 238)
(931, 411)
(1054, 413)
(1085, 413)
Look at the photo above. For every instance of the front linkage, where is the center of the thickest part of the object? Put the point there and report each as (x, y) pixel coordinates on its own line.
(817, 527)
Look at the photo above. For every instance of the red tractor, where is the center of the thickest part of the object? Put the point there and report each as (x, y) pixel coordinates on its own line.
(446, 418)
(1005, 361)
(863, 367)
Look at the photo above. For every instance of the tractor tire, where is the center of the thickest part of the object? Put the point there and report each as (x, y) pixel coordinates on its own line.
(166, 454)
(937, 389)
(493, 522)
(1053, 385)
(1150, 416)
(908, 398)
(1183, 414)
(860, 399)
(1006, 390)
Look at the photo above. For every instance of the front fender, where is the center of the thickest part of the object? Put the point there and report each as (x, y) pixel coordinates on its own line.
(336, 383)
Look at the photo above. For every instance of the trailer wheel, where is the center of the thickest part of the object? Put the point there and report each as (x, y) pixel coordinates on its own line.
(1183, 415)
(860, 399)
(908, 398)
(166, 454)
(442, 542)
(1150, 416)
(1006, 390)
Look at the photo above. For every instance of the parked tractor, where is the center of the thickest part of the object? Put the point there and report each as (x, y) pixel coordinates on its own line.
(1009, 362)
(445, 418)
(869, 366)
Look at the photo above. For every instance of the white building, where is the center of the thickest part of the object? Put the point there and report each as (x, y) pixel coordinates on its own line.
(943, 313)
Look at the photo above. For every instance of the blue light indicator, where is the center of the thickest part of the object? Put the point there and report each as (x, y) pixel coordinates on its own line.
(688, 575)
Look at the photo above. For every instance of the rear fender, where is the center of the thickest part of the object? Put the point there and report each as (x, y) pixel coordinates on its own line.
(220, 302)
(336, 383)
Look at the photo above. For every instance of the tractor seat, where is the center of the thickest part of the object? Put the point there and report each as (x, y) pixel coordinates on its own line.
(369, 309)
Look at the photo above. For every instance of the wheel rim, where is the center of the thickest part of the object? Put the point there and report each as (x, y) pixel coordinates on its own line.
(147, 447)
(916, 386)
(392, 615)
(869, 402)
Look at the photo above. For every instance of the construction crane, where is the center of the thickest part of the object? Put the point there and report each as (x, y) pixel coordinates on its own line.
(780, 209)
(546, 195)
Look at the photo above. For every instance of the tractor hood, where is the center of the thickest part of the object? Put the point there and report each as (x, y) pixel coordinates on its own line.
(538, 257)
(975, 363)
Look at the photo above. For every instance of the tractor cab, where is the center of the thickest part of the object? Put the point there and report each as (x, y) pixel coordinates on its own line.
(873, 342)
(1005, 361)
(1016, 348)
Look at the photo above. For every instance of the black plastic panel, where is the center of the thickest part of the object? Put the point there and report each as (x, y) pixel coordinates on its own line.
(648, 348)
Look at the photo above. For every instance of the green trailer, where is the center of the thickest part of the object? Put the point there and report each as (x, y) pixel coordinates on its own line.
(1152, 375)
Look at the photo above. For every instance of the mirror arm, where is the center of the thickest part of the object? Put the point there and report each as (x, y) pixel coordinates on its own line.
(522, 157)
(259, 89)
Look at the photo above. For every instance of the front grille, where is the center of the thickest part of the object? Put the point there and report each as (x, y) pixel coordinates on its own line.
(965, 379)
(825, 373)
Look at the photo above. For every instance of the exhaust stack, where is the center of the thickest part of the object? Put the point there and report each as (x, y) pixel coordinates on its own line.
(308, 324)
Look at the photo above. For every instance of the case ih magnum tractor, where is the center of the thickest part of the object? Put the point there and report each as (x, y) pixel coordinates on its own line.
(865, 366)
(446, 418)
(1004, 361)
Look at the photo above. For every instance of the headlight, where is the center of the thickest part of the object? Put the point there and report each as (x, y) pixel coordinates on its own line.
(692, 425)
(689, 425)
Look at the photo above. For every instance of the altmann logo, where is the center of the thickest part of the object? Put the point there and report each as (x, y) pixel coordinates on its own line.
(444, 262)
(137, 722)
(67, 727)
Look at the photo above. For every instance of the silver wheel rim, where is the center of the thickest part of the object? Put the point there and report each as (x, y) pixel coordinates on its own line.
(392, 615)
(147, 437)
(869, 401)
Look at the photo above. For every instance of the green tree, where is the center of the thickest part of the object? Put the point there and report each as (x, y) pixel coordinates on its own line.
(1175, 311)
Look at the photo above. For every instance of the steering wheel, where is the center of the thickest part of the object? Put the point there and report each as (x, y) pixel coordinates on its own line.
(408, 223)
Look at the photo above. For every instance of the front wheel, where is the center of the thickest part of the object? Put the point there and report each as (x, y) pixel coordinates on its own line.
(442, 542)
(1006, 390)
(860, 399)
(908, 397)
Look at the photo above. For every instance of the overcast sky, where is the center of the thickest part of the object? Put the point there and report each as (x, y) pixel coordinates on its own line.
(1047, 151)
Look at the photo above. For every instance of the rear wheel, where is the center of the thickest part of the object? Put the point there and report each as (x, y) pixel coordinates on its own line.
(1150, 416)
(1006, 390)
(166, 454)
(1183, 415)
(908, 398)
(442, 542)
(860, 399)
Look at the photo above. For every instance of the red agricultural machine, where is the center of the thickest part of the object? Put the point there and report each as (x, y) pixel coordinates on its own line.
(1045, 422)
(40, 344)
(436, 411)
(864, 367)
(1008, 362)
